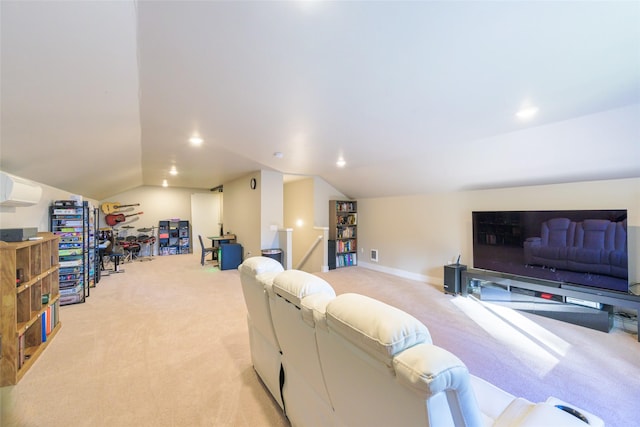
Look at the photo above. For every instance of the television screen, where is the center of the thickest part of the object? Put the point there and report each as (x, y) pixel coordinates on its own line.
(582, 247)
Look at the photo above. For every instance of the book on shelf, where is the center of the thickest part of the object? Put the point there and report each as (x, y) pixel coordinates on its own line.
(64, 211)
(43, 328)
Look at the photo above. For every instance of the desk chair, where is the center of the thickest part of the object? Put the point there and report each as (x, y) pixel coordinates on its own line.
(205, 251)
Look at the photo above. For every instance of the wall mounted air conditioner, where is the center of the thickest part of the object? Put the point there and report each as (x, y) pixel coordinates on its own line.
(15, 191)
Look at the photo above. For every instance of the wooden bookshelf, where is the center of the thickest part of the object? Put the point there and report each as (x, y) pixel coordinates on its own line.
(343, 233)
(29, 310)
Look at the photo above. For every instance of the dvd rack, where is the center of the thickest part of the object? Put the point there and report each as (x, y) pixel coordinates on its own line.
(71, 224)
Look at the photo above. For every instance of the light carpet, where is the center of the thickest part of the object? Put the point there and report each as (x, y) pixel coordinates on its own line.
(166, 344)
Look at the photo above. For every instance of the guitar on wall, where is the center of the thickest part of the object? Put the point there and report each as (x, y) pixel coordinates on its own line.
(111, 208)
(115, 219)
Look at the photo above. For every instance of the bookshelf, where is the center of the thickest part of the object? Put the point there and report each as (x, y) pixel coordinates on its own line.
(174, 237)
(343, 233)
(30, 298)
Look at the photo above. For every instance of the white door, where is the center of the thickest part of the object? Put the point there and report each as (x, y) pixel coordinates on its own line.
(206, 216)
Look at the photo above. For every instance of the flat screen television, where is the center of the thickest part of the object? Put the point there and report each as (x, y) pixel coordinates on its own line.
(581, 247)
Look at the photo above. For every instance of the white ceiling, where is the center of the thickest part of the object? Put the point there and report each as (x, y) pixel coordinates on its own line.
(101, 97)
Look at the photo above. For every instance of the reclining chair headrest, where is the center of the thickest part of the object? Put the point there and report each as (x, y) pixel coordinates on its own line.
(294, 285)
(378, 329)
(260, 264)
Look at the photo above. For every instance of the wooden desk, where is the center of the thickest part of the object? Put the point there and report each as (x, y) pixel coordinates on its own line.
(216, 241)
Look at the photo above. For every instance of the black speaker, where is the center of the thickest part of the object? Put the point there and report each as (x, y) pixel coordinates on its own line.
(453, 278)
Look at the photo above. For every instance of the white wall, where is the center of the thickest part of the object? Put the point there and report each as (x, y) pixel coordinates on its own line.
(299, 216)
(36, 215)
(157, 203)
(206, 209)
(322, 193)
(241, 214)
(271, 208)
(308, 200)
(416, 235)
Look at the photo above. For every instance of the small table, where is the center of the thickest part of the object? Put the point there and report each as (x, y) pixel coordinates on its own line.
(216, 241)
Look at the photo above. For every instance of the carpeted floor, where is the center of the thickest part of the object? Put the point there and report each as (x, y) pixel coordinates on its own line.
(166, 344)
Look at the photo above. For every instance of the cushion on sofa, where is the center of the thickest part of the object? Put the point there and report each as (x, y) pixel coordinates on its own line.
(260, 264)
(375, 327)
(430, 369)
(558, 232)
(595, 234)
(293, 285)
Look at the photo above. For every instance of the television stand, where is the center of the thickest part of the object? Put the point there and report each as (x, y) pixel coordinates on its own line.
(592, 308)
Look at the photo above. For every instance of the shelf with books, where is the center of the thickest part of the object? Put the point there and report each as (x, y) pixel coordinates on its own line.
(30, 298)
(343, 233)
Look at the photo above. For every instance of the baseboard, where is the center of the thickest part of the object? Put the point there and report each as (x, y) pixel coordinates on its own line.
(402, 273)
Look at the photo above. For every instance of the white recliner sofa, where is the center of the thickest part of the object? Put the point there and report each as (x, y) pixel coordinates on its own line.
(256, 276)
(351, 360)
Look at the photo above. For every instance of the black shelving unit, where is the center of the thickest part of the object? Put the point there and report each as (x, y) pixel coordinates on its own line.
(174, 237)
(71, 223)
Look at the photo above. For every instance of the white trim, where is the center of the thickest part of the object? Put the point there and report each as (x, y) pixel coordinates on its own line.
(402, 273)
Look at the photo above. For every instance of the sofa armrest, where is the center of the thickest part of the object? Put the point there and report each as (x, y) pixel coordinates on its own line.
(314, 307)
(429, 370)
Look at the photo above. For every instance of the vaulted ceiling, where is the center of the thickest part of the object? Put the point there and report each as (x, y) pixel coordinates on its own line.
(101, 97)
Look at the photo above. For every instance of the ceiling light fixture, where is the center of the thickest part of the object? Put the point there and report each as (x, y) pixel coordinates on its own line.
(527, 113)
(341, 163)
(278, 155)
(196, 140)
(165, 183)
(173, 170)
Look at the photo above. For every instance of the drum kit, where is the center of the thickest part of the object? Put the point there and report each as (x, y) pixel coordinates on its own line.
(130, 247)
(135, 247)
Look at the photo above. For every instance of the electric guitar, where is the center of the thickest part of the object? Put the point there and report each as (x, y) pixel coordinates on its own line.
(114, 219)
(110, 208)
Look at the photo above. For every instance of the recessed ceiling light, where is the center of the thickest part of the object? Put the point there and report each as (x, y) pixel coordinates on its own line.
(527, 113)
(165, 183)
(173, 170)
(196, 140)
(278, 155)
(341, 163)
